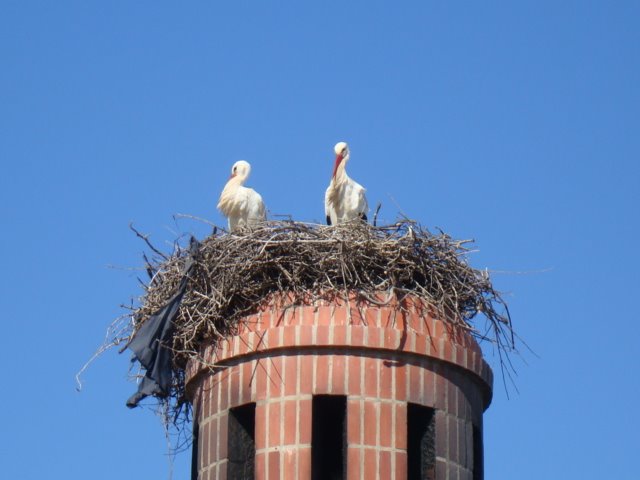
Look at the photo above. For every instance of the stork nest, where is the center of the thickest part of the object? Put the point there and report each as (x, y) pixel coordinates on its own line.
(236, 273)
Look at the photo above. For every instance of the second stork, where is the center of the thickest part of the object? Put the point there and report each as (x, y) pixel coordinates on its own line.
(344, 199)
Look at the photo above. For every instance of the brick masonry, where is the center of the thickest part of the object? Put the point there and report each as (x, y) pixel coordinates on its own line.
(379, 357)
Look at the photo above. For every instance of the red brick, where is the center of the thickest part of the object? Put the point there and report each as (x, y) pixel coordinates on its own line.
(401, 426)
(386, 380)
(275, 418)
(441, 469)
(400, 381)
(453, 439)
(274, 465)
(439, 330)
(353, 463)
(305, 421)
(304, 463)
(354, 418)
(290, 422)
(441, 392)
(422, 344)
(305, 335)
(385, 465)
(260, 341)
(322, 336)
(386, 425)
(401, 466)
(418, 324)
(203, 410)
(323, 316)
(370, 463)
(448, 351)
(277, 318)
(245, 389)
(372, 317)
(276, 378)
(415, 388)
(265, 320)
(355, 371)
(391, 339)
(400, 323)
(261, 466)
(251, 339)
(463, 405)
(370, 423)
(357, 315)
(291, 375)
(306, 315)
(214, 434)
(322, 374)
(452, 399)
(371, 377)
(260, 378)
(340, 335)
(234, 386)
(204, 445)
(373, 337)
(292, 316)
(289, 336)
(429, 388)
(223, 425)
(224, 382)
(357, 336)
(306, 373)
(221, 471)
(387, 317)
(338, 374)
(289, 463)
(340, 315)
(442, 437)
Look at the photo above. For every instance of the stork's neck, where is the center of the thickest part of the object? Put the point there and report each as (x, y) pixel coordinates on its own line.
(340, 172)
(234, 182)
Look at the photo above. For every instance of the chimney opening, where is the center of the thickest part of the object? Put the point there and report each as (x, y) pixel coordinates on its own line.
(241, 444)
(421, 451)
(328, 437)
(478, 454)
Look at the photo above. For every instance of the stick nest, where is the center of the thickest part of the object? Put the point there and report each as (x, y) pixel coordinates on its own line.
(234, 274)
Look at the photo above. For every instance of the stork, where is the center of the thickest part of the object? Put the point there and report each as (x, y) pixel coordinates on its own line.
(344, 199)
(242, 206)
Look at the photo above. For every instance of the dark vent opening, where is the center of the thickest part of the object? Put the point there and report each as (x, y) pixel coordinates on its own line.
(194, 449)
(241, 442)
(421, 445)
(328, 437)
(478, 454)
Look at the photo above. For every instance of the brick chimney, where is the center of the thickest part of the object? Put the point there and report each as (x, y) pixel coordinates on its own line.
(352, 391)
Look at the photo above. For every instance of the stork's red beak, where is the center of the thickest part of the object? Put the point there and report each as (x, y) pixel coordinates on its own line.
(339, 159)
(232, 175)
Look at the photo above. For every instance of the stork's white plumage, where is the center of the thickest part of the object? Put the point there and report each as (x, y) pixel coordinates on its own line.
(242, 206)
(344, 199)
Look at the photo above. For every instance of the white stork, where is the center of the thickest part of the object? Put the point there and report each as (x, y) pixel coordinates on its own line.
(242, 206)
(344, 200)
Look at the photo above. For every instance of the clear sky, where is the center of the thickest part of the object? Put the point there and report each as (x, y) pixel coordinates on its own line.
(515, 125)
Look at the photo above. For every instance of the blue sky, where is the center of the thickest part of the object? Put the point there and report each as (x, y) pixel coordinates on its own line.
(513, 124)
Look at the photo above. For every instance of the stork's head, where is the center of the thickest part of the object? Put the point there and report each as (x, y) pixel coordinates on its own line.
(241, 169)
(342, 155)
